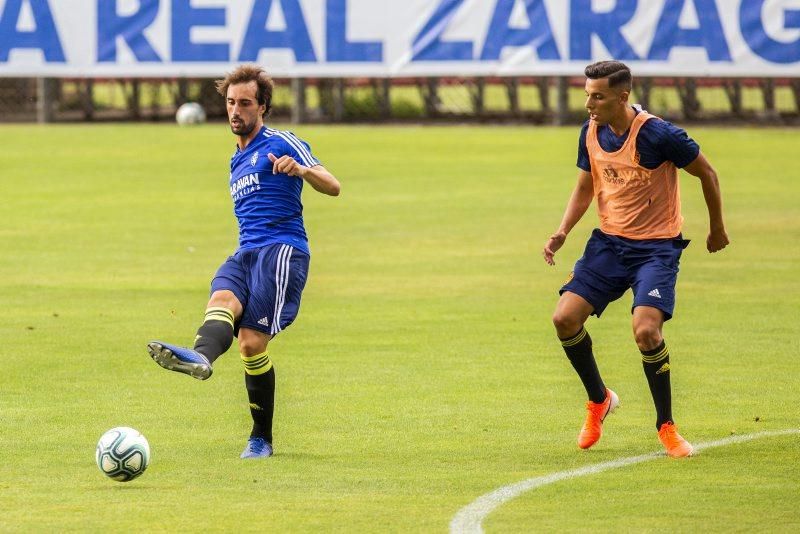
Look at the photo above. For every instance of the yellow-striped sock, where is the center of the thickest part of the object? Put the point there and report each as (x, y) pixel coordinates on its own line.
(257, 365)
(578, 349)
(657, 370)
(215, 336)
(259, 379)
(219, 314)
(574, 340)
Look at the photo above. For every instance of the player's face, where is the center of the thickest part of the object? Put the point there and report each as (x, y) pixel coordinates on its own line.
(244, 112)
(603, 102)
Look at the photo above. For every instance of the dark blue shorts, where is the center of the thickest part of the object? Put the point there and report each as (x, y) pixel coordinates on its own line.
(268, 281)
(610, 265)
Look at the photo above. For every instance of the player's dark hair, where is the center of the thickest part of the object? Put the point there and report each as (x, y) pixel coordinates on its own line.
(246, 74)
(618, 73)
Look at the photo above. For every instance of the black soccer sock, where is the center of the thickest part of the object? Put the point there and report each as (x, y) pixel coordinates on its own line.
(214, 338)
(259, 378)
(579, 352)
(656, 369)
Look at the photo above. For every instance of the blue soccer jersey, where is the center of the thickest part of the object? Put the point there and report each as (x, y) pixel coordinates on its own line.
(267, 206)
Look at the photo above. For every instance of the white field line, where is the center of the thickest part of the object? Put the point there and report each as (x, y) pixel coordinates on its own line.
(468, 520)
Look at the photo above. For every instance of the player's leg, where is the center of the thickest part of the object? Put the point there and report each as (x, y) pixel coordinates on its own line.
(571, 313)
(647, 324)
(647, 330)
(215, 335)
(280, 272)
(654, 303)
(596, 280)
(259, 380)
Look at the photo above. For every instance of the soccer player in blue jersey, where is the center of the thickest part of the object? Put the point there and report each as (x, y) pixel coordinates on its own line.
(256, 293)
(628, 161)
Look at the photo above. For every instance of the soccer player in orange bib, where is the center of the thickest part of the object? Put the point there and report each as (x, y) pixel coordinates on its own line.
(629, 161)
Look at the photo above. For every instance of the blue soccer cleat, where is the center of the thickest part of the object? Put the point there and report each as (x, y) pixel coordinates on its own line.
(180, 359)
(257, 448)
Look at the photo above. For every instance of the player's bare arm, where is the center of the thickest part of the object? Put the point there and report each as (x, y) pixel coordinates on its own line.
(717, 236)
(579, 202)
(318, 176)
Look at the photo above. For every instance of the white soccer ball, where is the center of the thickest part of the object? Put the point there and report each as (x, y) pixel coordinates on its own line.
(190, 113)
(122, 454)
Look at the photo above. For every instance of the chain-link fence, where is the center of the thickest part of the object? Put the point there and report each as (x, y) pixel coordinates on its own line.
(538, 100)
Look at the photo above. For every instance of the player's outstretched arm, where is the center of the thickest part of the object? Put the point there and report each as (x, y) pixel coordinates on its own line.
(321, 180)
(318, 176)
(717, 236)
(578, 203)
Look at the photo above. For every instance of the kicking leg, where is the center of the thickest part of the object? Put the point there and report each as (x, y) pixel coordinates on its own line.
(214, 337)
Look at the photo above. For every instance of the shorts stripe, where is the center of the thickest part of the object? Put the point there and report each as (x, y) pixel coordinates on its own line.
(281, 283)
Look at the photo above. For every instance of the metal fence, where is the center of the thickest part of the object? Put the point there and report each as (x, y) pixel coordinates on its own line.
(536, 100)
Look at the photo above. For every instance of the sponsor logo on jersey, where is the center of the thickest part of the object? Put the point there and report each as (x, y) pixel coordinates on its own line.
(245, 185)
(626, 177)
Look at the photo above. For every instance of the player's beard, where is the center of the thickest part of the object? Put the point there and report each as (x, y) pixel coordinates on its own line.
(244, 129)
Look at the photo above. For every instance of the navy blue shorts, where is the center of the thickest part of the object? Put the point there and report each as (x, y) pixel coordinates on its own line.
(611, 264)
(268, 281)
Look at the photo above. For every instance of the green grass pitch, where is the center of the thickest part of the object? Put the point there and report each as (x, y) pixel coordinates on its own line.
(423, 370)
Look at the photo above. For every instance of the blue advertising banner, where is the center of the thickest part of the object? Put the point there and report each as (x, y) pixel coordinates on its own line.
(392, 38)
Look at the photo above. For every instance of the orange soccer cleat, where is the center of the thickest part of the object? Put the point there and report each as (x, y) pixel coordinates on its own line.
(676, 446)
(596, 414)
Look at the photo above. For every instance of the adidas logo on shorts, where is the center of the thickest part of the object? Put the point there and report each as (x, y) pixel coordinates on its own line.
(653, 293)
(264, 321)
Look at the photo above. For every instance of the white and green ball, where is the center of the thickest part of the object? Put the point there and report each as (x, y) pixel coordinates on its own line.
(190, 113)
(122, 453)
